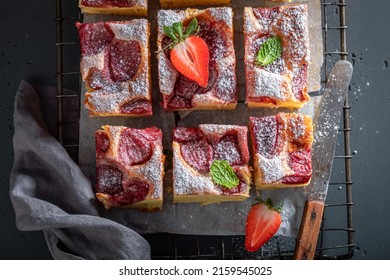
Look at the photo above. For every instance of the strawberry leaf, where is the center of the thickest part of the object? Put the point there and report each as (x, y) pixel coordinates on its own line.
(269, 51)
(170, 32)
(178, 28)
(192, 27)
(223, 174)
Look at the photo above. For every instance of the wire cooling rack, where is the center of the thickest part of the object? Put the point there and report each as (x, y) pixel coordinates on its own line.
(336, 240)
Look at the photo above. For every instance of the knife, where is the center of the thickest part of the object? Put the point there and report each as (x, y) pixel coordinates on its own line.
(324, 147)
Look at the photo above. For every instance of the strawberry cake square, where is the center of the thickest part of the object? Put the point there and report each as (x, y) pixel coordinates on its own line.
(210, 164)
(190, 3)
(281, 150)
(129, 167)
(276, 56)
(115, 7)
(196, 59)
(115, 66)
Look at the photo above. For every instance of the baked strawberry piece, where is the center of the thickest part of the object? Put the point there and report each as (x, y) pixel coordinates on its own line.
(276, 56)
(116, 7)
(129, 167)
(196, 59)
(189, 3)
(282, 150)
(115, 67)
(210, 164)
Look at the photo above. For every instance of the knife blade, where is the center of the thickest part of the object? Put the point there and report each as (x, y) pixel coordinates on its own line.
(324, 146)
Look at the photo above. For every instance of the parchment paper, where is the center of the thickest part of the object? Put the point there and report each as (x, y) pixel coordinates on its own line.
(217, 219)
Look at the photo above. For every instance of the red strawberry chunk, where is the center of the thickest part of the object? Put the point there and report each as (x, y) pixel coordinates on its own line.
(134, 191)
(300, 162)
(227, 149)
(299, 82)
(124, 59)
(102, 143)
(108, 179)
(186, 134)
(191, 59)
(139, 107)
(261, 224)
(133, 148)
(94, 37)
(266, 132)
(197, 154)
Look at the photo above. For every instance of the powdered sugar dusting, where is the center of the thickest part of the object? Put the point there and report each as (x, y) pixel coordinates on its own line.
(91, 61)
(220, 130)
(167, 73)
(152, 170)
(167, 18)
(272, 169)
(223, 14)
(268, 84)
(131, 30)
(298, 126)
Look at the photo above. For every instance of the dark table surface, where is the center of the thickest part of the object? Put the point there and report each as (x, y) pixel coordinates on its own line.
(27, 52)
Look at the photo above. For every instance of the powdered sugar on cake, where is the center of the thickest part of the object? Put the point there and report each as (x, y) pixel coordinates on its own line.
(131, 30)
(152, 171)
(186, 180)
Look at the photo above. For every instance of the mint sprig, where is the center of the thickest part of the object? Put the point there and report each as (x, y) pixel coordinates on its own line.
(223, 174)
(269, 51)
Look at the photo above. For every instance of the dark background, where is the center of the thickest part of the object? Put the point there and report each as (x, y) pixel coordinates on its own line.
(27, 52)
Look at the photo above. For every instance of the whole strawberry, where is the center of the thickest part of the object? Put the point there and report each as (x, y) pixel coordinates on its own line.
(262, 222)
(189, 53)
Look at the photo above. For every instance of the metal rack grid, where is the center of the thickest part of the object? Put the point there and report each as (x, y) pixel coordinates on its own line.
(172, 246)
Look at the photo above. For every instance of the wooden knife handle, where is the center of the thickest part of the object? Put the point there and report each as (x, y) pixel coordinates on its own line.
(309, 230)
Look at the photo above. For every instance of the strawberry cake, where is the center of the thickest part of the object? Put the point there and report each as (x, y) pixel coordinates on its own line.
(116, 7)
(190, 3)
(196, 59)
(129, 167)
(276, 56)
(282, 150)
(115, 66)
(210, 164)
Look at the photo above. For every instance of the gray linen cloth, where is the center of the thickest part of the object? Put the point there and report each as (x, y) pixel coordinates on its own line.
(50, 193)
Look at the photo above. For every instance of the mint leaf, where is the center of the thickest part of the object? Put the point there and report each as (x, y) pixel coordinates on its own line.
(222, 173)
(269, 51)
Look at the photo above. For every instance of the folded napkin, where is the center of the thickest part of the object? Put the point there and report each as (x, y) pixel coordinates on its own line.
(50, 193)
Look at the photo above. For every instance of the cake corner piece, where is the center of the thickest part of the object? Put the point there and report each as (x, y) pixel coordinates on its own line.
(129, 167)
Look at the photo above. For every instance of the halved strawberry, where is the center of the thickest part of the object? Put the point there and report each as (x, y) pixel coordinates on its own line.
(262, 222)
(189, 53)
